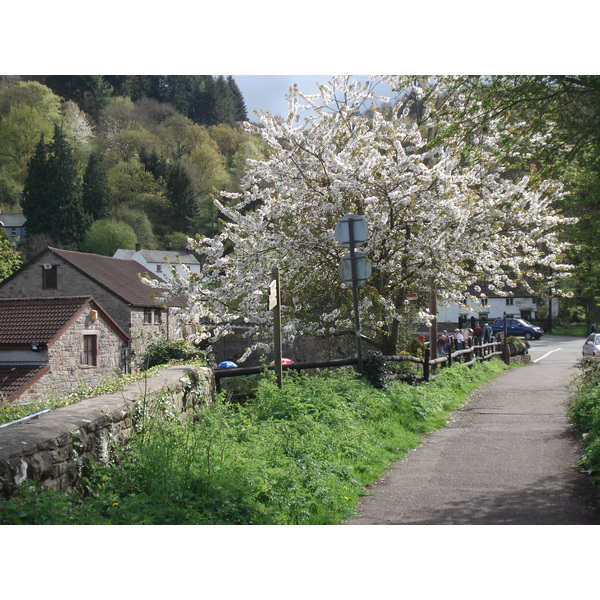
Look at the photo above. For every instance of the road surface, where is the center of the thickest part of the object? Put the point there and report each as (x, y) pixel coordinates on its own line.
(509, 456)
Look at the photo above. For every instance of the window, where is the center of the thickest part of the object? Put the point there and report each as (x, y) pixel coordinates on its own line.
(158, 268)
(90, 350)
(49, 277)
(152, 316)
(510, 301)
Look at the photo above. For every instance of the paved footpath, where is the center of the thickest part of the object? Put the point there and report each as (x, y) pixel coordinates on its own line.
(508, 457)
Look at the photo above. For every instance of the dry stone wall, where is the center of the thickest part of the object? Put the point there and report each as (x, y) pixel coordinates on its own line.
(50, 449)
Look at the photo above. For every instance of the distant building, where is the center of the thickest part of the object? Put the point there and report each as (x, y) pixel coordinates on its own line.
(155, 261)
(14, 225)
(520, 304)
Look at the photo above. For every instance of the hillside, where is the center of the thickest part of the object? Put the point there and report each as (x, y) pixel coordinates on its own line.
(147, 152)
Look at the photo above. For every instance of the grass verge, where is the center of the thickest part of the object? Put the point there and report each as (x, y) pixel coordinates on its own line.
(584, 411)
(300, 455)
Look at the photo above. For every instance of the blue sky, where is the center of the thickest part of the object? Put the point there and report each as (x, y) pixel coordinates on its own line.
(268, 92)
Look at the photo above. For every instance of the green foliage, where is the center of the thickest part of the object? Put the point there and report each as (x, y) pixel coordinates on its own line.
(165, 351)
(52, 200)
(96, 195)
(584, 412)
(106, 236)
(300, 455)
(10, 259)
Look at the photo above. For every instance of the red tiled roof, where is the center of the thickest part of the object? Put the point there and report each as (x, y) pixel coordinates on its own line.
(117, 275)
(14, 379)
(37, 320)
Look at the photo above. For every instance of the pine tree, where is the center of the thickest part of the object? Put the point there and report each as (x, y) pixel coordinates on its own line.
(52, 194)
(240, 112)
(96, 196)
(182, 197)
(37, 202)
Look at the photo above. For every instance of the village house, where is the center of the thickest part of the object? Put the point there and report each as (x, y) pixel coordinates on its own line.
(155, 261)
(520, 304)
(112, 282)
(14, 226)
(48, 346)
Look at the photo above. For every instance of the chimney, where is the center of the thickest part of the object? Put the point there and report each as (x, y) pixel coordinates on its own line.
(138, 246)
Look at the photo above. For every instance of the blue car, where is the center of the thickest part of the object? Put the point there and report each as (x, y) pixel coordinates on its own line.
(518, 327)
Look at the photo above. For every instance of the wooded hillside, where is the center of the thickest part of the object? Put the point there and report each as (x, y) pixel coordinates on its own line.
(100, 162)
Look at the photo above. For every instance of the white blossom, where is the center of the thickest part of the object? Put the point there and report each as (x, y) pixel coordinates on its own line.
(430, 215)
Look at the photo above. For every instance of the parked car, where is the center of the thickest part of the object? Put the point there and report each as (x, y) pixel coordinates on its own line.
(518, 327)
(591, 347)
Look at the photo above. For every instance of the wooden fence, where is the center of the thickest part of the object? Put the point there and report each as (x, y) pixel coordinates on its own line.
(470, 355)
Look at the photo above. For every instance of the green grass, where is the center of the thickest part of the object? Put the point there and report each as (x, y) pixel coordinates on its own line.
(300, 455)
(579, 329)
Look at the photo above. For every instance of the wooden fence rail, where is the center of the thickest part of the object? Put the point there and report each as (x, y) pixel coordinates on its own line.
(467, 356)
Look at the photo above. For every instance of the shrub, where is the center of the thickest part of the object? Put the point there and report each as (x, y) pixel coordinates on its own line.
(165, 351)
(584, 411)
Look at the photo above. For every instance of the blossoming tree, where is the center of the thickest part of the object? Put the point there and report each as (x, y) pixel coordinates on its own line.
(447, 211)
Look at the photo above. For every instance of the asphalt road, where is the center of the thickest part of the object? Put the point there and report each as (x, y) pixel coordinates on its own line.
(509, 456)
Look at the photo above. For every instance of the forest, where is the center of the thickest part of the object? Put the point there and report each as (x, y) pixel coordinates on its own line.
(101, 162)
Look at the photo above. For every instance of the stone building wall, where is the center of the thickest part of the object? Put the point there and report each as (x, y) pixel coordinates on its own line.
(144, 334)
(51, 449)
(65, 356)
(70, 282)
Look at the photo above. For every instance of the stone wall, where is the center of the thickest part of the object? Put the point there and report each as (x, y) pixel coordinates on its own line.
(67, 370)
(51, 448)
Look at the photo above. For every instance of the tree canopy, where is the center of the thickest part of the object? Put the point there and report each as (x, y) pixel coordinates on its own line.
(432, 214)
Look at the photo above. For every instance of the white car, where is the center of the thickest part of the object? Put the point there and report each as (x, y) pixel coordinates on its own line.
(592, 345)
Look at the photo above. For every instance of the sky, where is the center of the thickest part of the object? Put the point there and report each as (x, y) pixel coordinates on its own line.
(268, 92)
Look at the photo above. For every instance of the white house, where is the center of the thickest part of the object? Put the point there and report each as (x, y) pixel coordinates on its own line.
(520, 304)
(14, 225)
(154, 261)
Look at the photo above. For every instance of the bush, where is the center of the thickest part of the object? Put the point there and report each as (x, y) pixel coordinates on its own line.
(106, 236)
(162, 352)
(584, 412)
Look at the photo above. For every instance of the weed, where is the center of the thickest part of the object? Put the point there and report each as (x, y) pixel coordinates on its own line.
(298, 455)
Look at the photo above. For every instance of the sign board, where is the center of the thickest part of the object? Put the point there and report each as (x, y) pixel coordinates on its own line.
(273, 294)
(351, 230)
(363, 268)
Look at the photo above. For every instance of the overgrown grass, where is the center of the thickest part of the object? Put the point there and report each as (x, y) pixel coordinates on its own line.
(584, 412)
(300, 455)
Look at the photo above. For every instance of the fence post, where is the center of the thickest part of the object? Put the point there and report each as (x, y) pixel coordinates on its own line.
(426, 364)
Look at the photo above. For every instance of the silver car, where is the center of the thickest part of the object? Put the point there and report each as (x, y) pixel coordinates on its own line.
(592, 345)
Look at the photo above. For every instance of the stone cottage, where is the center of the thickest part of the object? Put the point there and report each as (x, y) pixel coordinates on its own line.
(48, 346)
(112, 282)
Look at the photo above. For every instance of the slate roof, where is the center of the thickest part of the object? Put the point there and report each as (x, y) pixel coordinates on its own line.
(14, 379)
(117, 275)
(37, 320)
(12, 219)
(158, 256)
